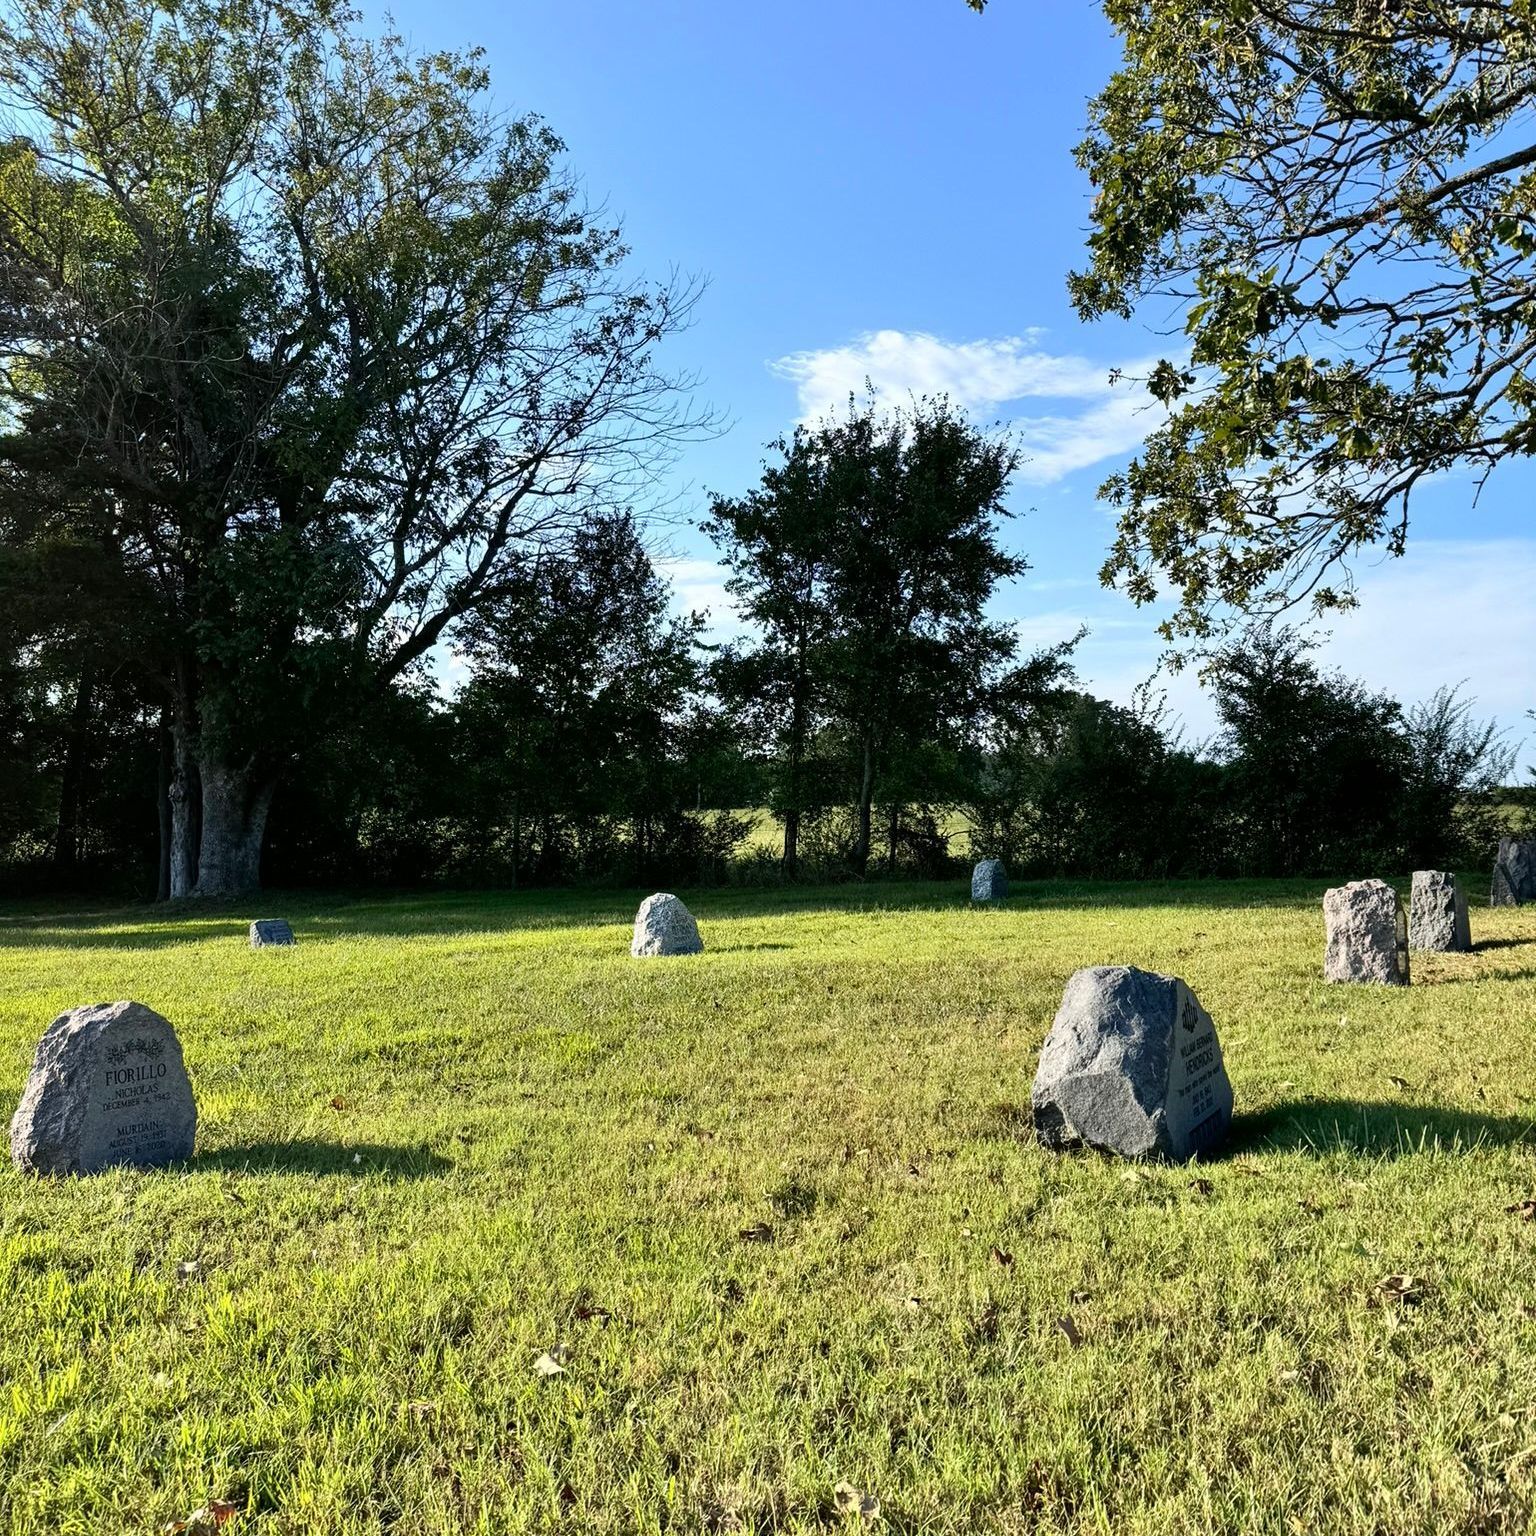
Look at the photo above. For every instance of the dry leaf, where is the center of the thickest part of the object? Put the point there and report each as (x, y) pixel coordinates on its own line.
(1066, 1326)
(999, 1256)
(204, 1521)
(1081, 1298)
(589, 1311)
(1400, 1082)
(188, 1269)
(1524, 1209)
(914, 1302)
(848, 1500)
(338, 1102)
(761, 1233)
(552, 1362)
(1408, 1289)
(1310, 1206)
(1202, 1186)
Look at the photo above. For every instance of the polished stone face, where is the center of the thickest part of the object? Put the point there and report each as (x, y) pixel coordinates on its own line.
(989, 881)
(107, 1088)
(271, 932)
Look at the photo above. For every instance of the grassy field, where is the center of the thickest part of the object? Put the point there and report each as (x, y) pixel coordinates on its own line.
(776, 1214)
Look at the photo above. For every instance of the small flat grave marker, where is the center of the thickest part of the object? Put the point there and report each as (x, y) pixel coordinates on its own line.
(107, 1087)
(1132, 1066)
(271, 933)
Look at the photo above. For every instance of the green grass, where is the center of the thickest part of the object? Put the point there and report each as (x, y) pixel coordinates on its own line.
(545, 1143)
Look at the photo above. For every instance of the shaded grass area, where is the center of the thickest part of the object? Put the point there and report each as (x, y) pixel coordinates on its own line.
(777, 1212)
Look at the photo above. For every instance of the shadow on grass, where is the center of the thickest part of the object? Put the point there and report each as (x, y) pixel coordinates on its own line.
(350, 1159)
(1323, 1126)
(347, 914)
(1483, 944)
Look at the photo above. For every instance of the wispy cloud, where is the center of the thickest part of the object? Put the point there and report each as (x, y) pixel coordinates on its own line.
(985, 379)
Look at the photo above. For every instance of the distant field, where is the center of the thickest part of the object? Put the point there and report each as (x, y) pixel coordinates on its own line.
(778, 1211)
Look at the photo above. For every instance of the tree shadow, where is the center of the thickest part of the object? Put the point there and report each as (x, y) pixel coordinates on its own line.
(1483, 944)
(1324, 1126)
(337, 1159)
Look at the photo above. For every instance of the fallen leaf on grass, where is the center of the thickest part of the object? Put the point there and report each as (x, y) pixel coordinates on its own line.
(1310, 1206)
(761, 1233)
(338, 1102)
(1524, 1209)
(422, 1411)
(1408, 1289)
(848, 1500)
(589, 1311)
(1069, 1329)
(204, 1521)
(1400, 1082)
(913, 1302)
(552, 1362)
(1202, 1186)
(1002, 1257)
(188, 1269)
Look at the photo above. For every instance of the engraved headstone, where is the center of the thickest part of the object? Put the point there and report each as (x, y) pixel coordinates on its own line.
(271, 932)
(1367, 934)
(1514, 874)
(664, 926)
(1438, 914)
(107, 1087)
(1132, 1066)
(989, 881)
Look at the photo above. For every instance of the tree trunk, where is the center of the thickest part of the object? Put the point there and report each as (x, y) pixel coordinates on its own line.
(163, 803)
(183, 798)
(791, 842)
(235, 807)
(77, 741)
(860, 857)
(895, 831)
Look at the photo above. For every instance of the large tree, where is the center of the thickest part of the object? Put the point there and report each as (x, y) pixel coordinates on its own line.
(313, 348)
(866, 559)
(1339, 196)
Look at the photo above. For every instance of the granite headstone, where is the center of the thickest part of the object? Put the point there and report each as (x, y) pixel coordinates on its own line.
(1514, 874)
(1132, 1066)
(271, 933)
(989, 881)
(1438, 914)
(1367, 934)
(664, 926)
(107, 1087)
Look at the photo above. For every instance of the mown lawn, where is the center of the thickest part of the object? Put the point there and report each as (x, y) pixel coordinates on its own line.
(778, 1210)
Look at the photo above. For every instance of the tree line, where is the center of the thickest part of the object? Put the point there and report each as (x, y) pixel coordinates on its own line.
(318, 375)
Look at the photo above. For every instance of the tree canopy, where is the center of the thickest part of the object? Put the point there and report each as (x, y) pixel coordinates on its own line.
(309, 349)
(1339, 197)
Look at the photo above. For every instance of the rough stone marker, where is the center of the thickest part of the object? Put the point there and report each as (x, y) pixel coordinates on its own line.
(664, 926)
(1132, 1066)
(271, 933)
(107, 1087)
(1514, 874)
(1438, 914)
(989, 881)
(1367, 934)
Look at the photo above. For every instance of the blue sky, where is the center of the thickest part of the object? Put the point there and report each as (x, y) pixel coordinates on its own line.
(885, 188)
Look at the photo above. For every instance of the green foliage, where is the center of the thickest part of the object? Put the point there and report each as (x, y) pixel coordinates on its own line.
(310, 343)
(866, 559)
(1342, 196)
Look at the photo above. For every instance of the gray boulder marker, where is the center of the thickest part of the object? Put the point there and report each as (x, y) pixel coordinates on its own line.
(271, 933)
(1514, 874)
(1367, 934)
(1131, 1066)
(1438, 914)
(989, 881)
(664, 926)
(107, 1087)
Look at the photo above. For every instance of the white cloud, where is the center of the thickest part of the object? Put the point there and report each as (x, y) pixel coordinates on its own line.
(981, 378)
